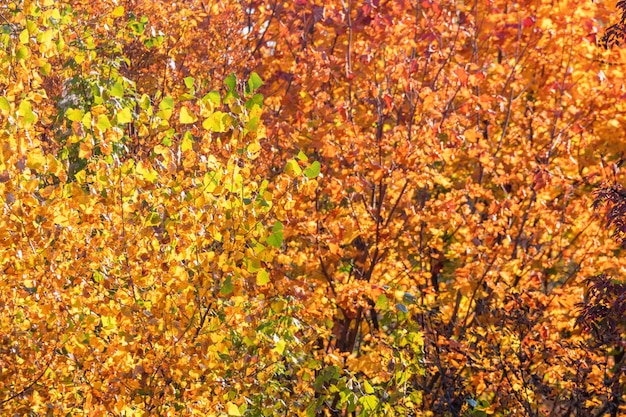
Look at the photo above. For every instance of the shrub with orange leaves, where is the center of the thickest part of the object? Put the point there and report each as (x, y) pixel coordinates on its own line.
(320, 208)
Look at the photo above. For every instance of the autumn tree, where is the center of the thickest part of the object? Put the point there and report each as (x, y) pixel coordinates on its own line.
(322, 208)
(459, 146)
(137, 234)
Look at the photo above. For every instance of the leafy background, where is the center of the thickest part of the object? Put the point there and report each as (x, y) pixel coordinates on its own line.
(311, 208)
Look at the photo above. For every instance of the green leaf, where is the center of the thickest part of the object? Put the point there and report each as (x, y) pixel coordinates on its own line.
(256, 100)
(313, 170)
(5, 106)
(167, 103)
(367, 388)
(253, 264)
(231, 82)
(75, 115)
(124, 116)
(262, 277)
(292, 168)
(145, 103)
(278, 227)
(98, 277)
(187, 143)
(276, 238)
(189, 82)
(216, 122)
(22, 53)
(167, 140)
(253, 124)
(153, 219)
(382, 303)
(103, 122)
(227, 287)
(45, 69)
(254, 82)
(117, 90)
(212, 97)
(25, 110)
(302, 156)
(369, 402)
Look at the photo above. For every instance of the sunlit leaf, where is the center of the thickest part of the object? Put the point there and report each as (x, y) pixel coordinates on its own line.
(276, 238)
(25, 109)
(117, 90)
(313, 170)
(124, 116)
(280, 346)
(74, 115)
(216, 122)
(187, 116)
(146, 172)
(233, 410)
(370, 402)
(5, 106)
(103, 122)
(302, 156)
(187, 142)
(118, 11)
(254, 82)
(292, 168)
(262, 277)
(212, 97)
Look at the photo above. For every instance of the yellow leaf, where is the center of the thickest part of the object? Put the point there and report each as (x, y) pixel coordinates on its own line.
(233, 410)
(103, 123)
(161, 150)
(293, 169)
(262, 277)
(24, 37)
(35, 160)
(124, 116)
(614, 123)
(146, 172)
(254, 149)
(280, 347)
(75, 115)
(187, 143)
(186, 116)
(217, 122)
(86, 121)
(118, 11)
(61, 220)
(5, 106)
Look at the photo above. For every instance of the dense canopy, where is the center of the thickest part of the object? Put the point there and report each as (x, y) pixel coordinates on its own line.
(316, 208)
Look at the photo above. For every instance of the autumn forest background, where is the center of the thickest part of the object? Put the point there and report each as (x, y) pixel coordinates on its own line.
(312, 208)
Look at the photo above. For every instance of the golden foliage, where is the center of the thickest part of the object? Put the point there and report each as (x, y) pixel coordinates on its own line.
(306, 208)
